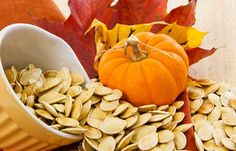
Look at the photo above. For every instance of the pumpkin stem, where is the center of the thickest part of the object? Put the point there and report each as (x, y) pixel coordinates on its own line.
(137, 53)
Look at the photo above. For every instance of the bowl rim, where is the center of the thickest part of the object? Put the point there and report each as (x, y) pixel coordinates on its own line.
(13, 94)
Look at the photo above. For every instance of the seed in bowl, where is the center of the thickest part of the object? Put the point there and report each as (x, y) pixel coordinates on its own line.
(97, 112)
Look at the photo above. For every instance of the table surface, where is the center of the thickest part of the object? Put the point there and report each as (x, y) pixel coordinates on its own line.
(219, 19)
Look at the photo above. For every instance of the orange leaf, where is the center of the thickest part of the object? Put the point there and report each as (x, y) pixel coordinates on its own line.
(14, 11)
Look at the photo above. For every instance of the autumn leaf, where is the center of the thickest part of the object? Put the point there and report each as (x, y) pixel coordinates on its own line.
(15, 11)
(188, 37)
(183, 15)
(197, 54)
(187, 119)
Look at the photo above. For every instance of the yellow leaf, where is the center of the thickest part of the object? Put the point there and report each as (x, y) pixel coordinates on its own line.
(188, 37)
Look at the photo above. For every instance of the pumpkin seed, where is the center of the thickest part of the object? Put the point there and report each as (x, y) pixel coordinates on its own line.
(120, 109)
(68, 106)
(142, 119)
(171, 110)
(211, 89)
(76, 109)
(50, 74)
(163, 107)
(77, 79)
(67, 122)
(125, 141)
(131, 121)
(96, 123)
(178, 104)
(51, 98)
(95, 99)
(158, 117)
(148, 142)
(113, 125)
(129, 112)
(157, 125)
(195, 93)
(228, 143)
(214, 99)
(74, 130)
(206, 108)
(29, 77)
(214, 115)
(183, 128)
(10, 76)
(223, 88)
(180, 140)
(178, 117)
(165, 136)
(49, 83)
(230, 121)
(92, 133)
(107, 144)
(85, 95)
(65, 76)
(86, 146)
(85, 110)
(218, 134)
(195, 105)
(146, 108)
(226, 97)
(209, 145)
(74, 91)
(130, 147)
(50, 109)
(168, 146)
(30, 101)
(205, 82)
(142, 131)
(198, 142)
(115, 95)
(101, 90)
(93, 143)
(59, 107)
(205, 133)
(18, 88)
(109, 106)
(44, 114)
(233, 103)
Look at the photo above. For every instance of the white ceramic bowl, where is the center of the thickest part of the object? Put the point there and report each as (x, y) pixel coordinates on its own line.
(20, 45)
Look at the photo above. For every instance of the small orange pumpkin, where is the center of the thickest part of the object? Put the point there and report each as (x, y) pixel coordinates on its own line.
(152, 70)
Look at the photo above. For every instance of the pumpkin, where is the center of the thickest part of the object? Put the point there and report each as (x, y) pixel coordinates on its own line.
(149, 70)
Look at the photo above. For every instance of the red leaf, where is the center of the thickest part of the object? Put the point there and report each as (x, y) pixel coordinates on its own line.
(139, 11)
(189, 133)
(197, 54)
(183, 15)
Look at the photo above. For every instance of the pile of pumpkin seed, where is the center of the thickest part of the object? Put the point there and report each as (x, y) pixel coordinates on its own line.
(62, 101)
(213, 108)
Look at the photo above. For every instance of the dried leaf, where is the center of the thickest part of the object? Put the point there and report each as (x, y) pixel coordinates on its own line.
(188, 37)
(197, 54)
(183, 15)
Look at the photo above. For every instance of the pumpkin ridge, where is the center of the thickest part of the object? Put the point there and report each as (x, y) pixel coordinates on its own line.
(155, 60)
(169, 76)
(174, 49)
(169, 55)
(146, 83)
